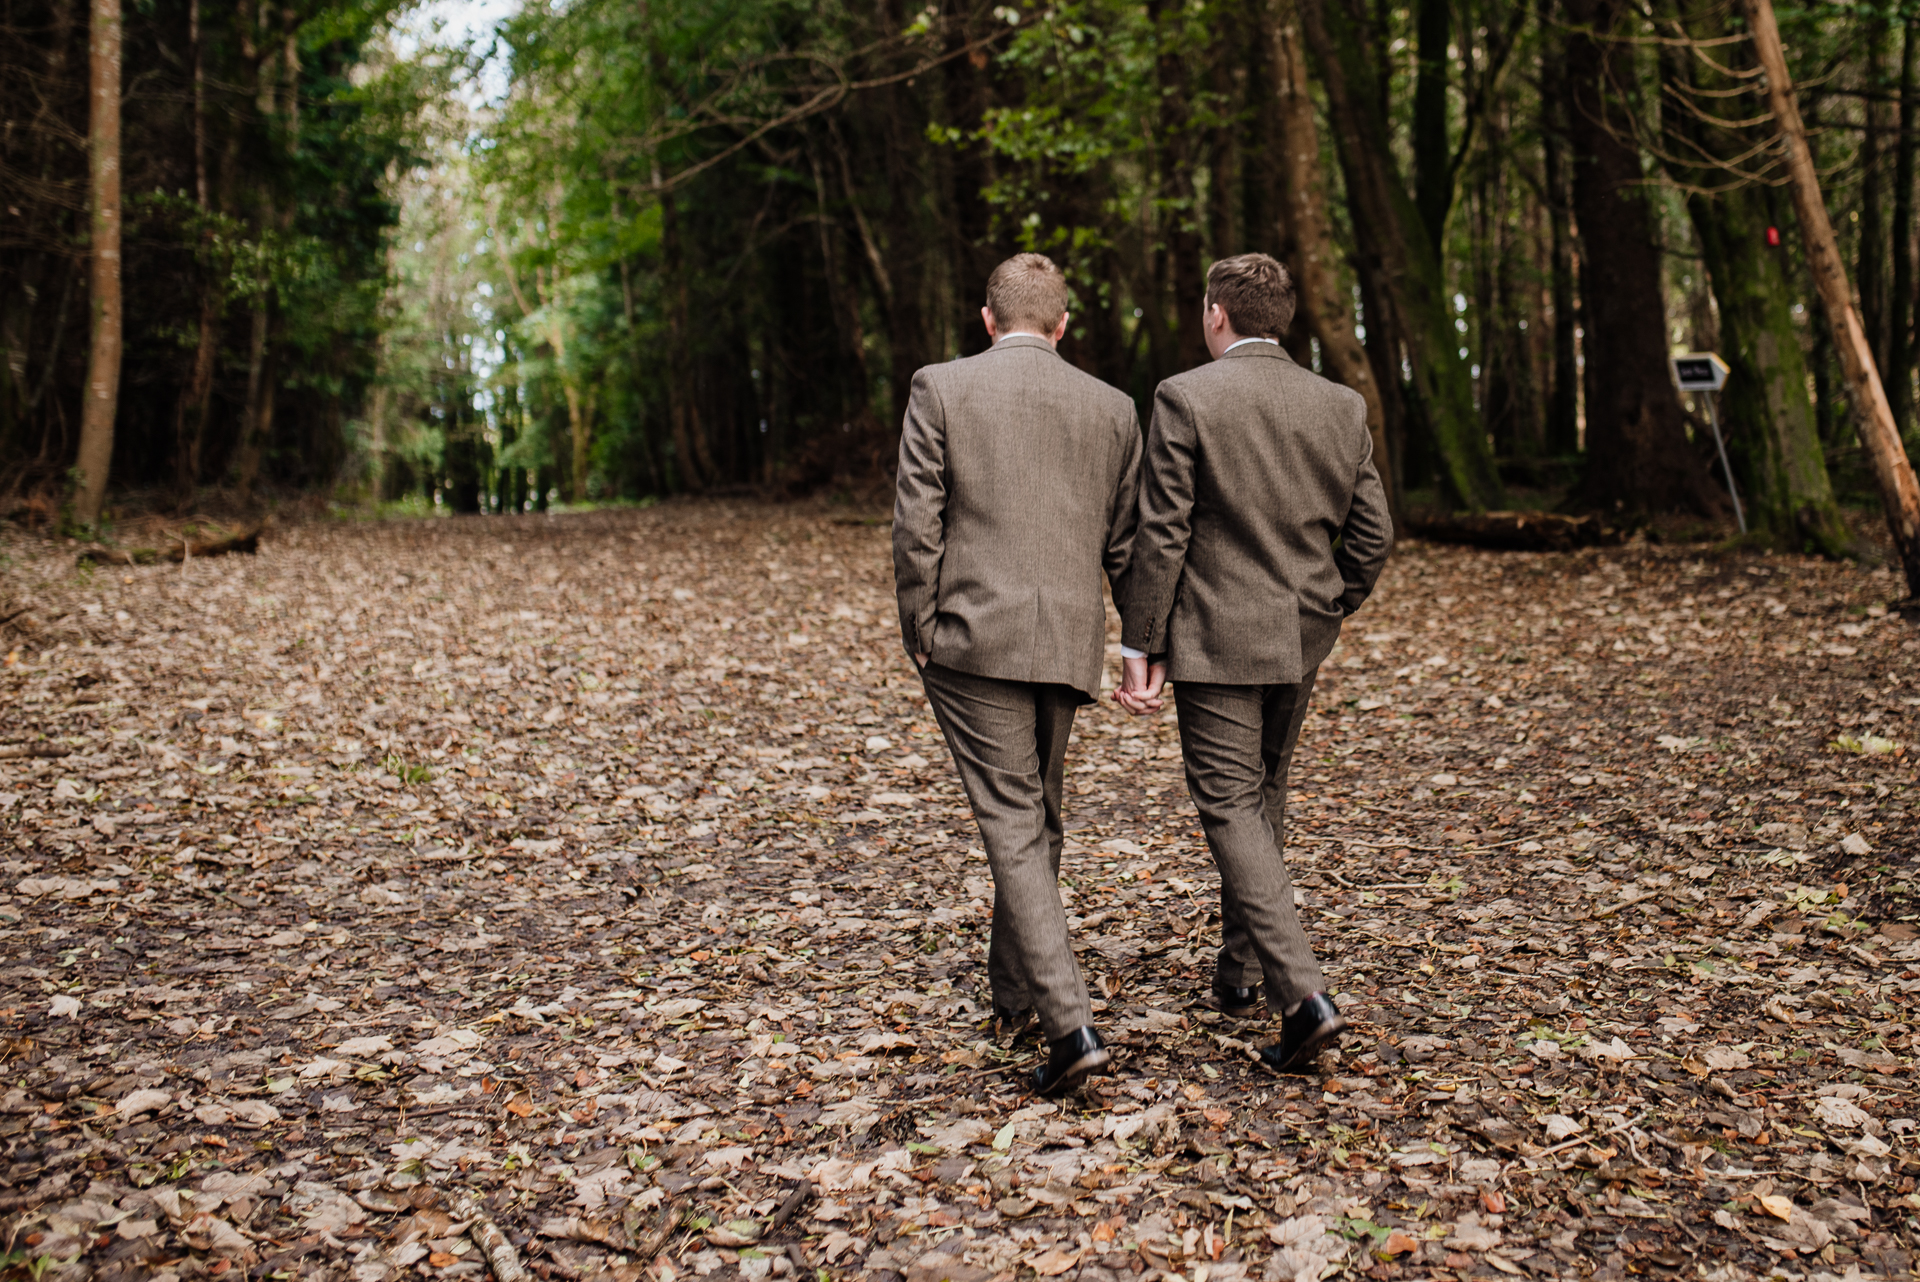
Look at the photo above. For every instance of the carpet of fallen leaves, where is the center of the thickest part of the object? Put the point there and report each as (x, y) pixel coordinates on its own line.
(591, 896)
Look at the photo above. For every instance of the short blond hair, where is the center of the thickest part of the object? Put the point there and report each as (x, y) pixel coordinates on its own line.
(1028, 291)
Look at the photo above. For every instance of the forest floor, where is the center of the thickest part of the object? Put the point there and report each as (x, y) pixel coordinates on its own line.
(592, 895)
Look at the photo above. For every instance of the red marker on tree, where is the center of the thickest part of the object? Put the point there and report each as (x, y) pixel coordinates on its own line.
(1773, 237)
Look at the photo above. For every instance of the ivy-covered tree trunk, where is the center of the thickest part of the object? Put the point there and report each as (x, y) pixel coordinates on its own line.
(1406, 265)
(1771, 433)
(1873, 418)
(1764, 409)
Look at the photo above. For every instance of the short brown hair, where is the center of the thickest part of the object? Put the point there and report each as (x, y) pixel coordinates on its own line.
(1256, 293)
(1027, 290)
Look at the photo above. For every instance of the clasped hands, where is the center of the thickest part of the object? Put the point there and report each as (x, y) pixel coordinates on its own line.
(1140, 685)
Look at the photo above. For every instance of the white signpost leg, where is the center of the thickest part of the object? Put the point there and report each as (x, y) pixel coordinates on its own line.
(1713, 417)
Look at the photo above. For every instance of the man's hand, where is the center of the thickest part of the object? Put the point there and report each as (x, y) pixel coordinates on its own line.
(920, 659)
(1140, 684)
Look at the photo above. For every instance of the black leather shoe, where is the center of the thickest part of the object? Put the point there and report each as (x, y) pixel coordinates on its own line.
(1236, 1003)
(1073, 1057)
(1303, 1034)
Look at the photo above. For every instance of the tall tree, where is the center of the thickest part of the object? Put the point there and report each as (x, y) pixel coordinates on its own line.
(1769, 423)
(103, 359)
(1562, 429)
(1880, 437)
(1638, 458)
(1900, 318)
(1403, 262)
(1432, 141)
(1327, 306)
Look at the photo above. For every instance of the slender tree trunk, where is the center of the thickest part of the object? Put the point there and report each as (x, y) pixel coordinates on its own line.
(264, 382)
(846, 304)
(103, 361)
(190, 413)
(257, 415)
(247, 452)
(1900, 334)
(1638, 456)
(377, 450)
(689, 442)
(1226, 179)
(1563, 402)
(655, 479)
(1432, 148)
(1872, 246)
(1407, 269)
(1187, 274)
(1879, 436)
(1327, 306)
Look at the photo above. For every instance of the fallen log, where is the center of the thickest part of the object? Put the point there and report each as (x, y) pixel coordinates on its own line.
(247, 540)
(1519, 531)
(16, 751)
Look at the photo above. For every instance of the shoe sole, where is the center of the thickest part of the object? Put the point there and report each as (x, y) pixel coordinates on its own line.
(1078, 1072)
(1237, 1012)
(1311, 1047)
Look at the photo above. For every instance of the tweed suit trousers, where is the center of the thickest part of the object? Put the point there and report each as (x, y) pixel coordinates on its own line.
(1238, 741)
(1009, 742)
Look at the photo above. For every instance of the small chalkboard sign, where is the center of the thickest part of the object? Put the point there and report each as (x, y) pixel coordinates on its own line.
(1699, 372)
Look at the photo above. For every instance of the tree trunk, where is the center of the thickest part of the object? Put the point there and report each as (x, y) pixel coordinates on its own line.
(1899, 491)
(1638, 456)
(190, 413)
(1432, 148)
(1764, 409)
(1328, 308)
(1872, 245)
(1563, 403)
(1771, 434)
(103, 361)
(846, 303)
(1900, 336)
(1405, 264)
(1187, 274)
(247, 450)
(689, 442)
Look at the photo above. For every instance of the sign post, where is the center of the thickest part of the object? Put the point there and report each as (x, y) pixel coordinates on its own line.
(1706, 373)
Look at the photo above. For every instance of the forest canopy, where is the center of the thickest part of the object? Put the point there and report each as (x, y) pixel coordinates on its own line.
(607, 251)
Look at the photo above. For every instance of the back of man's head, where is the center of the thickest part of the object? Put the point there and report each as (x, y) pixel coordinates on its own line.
(1027, 292)
(1256, 293)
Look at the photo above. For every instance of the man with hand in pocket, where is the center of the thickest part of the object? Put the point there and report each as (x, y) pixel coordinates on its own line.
(1263, 525)
(1016, 491)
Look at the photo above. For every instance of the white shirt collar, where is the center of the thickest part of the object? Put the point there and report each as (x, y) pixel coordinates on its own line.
(1019, 333)
(1243, 342)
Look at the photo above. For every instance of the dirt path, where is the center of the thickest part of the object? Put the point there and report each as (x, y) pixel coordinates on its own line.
(597, 888)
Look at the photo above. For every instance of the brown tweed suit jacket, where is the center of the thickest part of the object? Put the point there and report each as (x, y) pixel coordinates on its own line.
(1255, 467)
(1017, 483)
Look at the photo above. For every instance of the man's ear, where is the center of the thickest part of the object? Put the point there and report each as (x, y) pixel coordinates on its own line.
(993, 330)
(1060, 330)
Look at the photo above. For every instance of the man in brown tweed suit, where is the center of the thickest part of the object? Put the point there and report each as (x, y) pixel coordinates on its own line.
(1016, 490)
(1263, 524)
